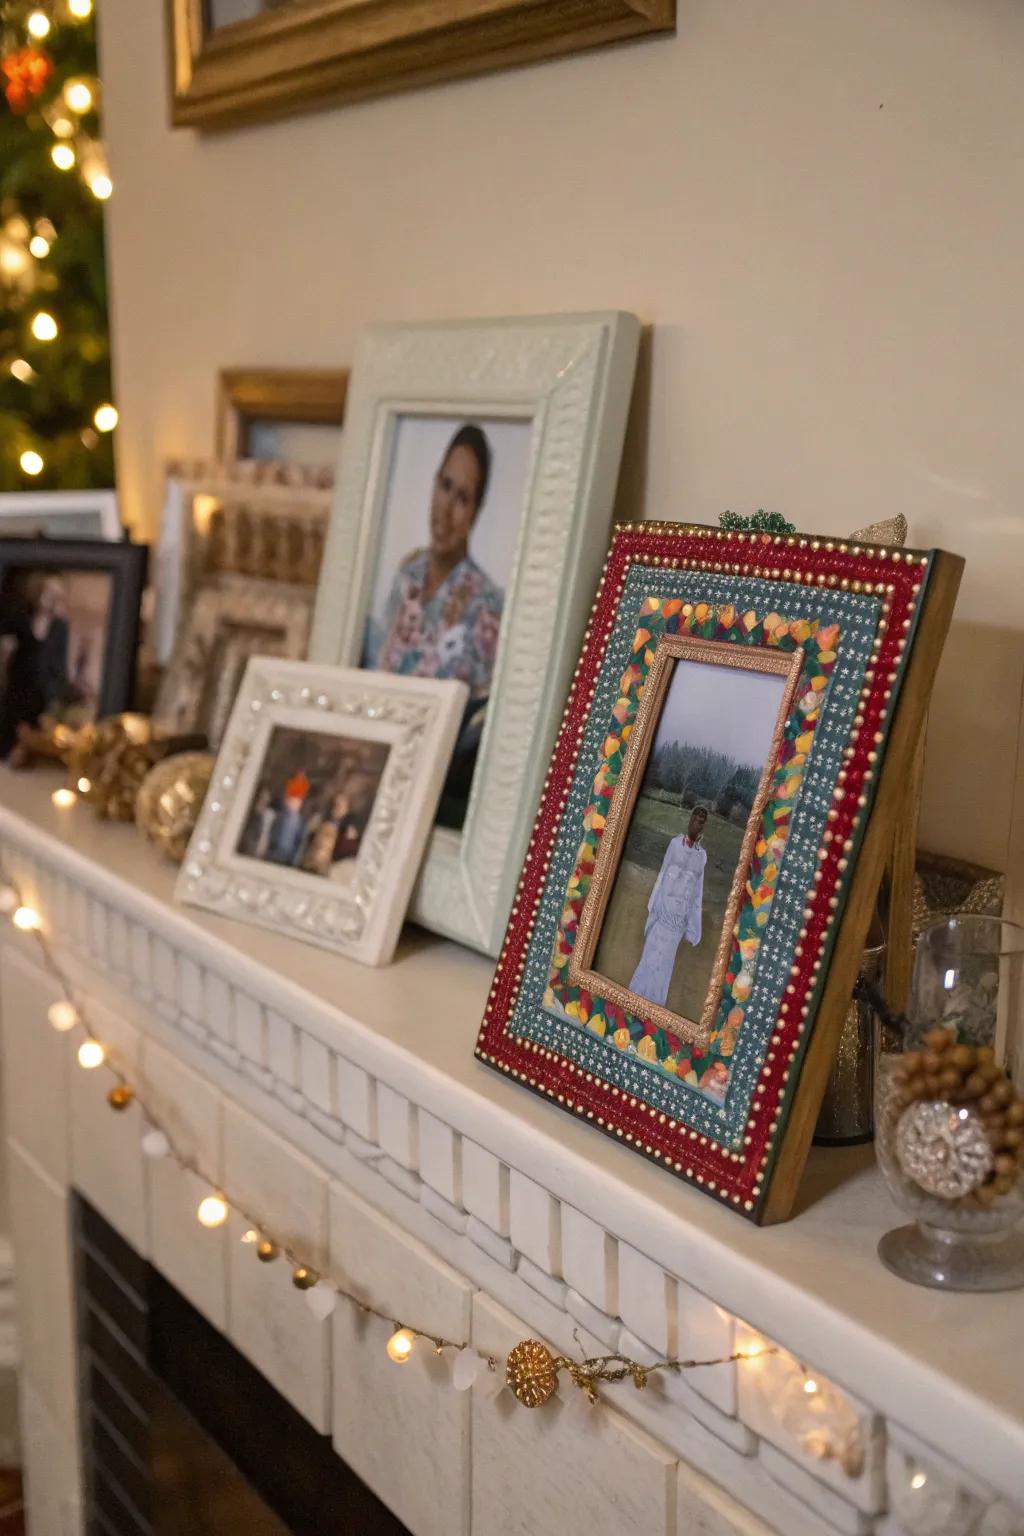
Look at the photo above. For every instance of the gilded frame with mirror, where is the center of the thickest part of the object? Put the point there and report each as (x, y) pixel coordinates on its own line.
(298, 56)
(247, 397)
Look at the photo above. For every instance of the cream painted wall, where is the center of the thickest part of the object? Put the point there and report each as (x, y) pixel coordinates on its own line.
(815, 205)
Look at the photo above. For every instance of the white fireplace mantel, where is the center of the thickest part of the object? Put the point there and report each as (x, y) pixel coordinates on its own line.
(350, 1097)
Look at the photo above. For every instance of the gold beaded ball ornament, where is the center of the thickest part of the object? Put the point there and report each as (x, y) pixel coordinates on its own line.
(168, 803)
(531, 1373)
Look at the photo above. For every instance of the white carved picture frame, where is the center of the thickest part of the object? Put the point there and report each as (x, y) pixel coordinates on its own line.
(571, 377)
(417, 718)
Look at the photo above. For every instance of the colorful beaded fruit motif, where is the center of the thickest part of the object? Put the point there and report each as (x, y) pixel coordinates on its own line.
(706, 1070)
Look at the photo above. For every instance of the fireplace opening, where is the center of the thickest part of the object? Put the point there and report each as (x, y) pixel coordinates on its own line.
(180, 1433)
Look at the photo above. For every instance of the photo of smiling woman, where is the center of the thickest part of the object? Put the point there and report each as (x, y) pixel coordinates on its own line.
(437, 606)
(443, 612)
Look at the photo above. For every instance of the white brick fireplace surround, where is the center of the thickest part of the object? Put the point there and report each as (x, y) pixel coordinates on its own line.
(311, 1087)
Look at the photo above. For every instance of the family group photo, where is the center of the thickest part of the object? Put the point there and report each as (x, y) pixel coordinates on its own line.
(312, 802)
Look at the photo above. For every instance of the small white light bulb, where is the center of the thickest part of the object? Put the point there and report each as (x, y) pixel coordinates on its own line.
(84, 785)
(810, 1386)
(39, 247)
(105, 417)
(62, 798)
(918, 1480)
(212, 1212)
(91, 1055)
(44, 327)
(38, 25)
(32, 463)
(80, 9)
(26, 918)
(78, 96)
(22, 370)
(251, 1236)
(63, 156)
(101, 186)
(155, 1145)
(400, 1346)
(322, 1299)
(62, 1016)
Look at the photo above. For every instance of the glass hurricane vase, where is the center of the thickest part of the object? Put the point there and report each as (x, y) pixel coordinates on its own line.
(949, 1125)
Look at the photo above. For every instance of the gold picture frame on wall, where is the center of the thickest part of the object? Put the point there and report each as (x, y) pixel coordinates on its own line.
(237, 61)
(294, 409)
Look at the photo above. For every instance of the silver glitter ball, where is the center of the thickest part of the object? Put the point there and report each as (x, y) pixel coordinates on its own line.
(943, 1148)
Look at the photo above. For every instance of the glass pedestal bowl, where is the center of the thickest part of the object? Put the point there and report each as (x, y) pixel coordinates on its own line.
(949, 1124)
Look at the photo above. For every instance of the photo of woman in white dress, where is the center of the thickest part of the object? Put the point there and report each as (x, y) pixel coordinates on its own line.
(670, 895)
(674, 911)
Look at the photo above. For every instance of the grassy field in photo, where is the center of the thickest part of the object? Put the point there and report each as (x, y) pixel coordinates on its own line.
(655, 822)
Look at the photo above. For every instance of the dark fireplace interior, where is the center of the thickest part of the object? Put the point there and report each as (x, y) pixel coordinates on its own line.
(183, 1435)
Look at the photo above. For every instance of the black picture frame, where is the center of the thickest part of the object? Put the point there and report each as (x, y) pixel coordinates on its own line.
(127, 564)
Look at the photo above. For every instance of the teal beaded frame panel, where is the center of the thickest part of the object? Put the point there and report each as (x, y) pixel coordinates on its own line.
(708, 1100)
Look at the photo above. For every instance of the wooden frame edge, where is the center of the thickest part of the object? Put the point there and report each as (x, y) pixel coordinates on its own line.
(875, 852)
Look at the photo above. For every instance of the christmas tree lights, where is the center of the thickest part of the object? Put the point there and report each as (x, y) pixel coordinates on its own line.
(54, 180)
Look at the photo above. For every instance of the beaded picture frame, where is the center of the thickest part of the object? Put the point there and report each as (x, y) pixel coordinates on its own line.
(713, 830)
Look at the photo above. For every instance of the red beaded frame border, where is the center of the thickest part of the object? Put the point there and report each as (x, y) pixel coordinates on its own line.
(898, 576)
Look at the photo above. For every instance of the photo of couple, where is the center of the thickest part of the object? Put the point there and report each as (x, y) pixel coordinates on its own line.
(313, 802)
(53, 628)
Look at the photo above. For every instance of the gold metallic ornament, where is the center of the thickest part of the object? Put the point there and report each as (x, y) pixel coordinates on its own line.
(304, 1278)
(944, 1148)
(266, 1251)
(108, 761)
(120, 1096)
(531, 1373)
(891, 530)
(169, 801)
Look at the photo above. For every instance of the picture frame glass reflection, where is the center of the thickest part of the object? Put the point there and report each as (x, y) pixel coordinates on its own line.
(268, 439)
(225, 13)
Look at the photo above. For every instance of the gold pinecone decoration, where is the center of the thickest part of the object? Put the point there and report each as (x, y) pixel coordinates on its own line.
(530, 1372)
(969, 1076)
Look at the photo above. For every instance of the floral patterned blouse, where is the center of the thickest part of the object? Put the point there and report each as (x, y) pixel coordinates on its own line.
(452, 634)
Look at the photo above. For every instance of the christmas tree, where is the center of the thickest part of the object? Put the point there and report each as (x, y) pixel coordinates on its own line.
(56, 416)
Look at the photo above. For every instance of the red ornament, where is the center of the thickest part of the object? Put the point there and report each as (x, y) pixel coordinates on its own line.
(26, 72)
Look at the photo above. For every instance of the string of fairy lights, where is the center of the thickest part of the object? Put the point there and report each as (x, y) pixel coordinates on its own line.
(322, 1291)
(25, 244)
(820, 1416)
